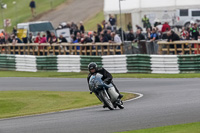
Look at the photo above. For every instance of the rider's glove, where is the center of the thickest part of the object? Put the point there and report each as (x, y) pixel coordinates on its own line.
(107, 81)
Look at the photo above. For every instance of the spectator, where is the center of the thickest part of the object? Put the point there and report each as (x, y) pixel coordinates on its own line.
(82, 38)
(145, 21)
(30, 38)
(48, 33)
(38, 38)
(129, 26)
(130, 36)
(148, 34)
(76, 30)
(184, 34)
(62, 39)
(108, 34)
(68, 25)
(139, 36)
(87, 39)
(2, 40)
(159, 27)
(78, 36)
(112, 20)
(116, 38)
(103, 24)
(103, 38)
(73, 27)
(96, 38)
(108, 27)
(99, 29)
(32, 5)
(172, 36)
(138, 27)
(14, 40)
(166, 27)
(82, 29)
(195, 32)
(120, 33)
(25, 40)
(15, 30)
(53, 38)
(43, 39)
(154, 35)
(9, 40)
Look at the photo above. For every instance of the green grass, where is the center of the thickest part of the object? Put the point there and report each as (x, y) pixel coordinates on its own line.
(183, 128)
(21, 12)
(84, 75)
(21, 103)
(91, 24)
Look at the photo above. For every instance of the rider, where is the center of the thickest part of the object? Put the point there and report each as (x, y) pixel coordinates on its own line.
(107, 77)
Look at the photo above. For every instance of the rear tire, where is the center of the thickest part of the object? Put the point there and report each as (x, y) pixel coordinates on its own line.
(106, 100)
(120, 105)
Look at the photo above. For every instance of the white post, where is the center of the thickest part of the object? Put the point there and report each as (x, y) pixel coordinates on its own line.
(121, 21)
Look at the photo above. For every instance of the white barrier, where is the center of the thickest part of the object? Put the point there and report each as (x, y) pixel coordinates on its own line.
(164, 64)
(115, 63)
(26, 63)
(68, 63)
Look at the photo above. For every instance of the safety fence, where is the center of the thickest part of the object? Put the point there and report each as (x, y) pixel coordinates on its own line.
(113, 63)
(62, 49)
(179, 47)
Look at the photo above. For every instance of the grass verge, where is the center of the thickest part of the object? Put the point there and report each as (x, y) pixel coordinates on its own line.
(21, 103)
(84, 75)
(91, 24)
(183, 128)
(20, 12)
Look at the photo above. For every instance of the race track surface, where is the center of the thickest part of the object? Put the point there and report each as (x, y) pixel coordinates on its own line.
(165, 102)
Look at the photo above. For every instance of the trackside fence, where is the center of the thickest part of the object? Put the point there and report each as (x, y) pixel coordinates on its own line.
(171, 64)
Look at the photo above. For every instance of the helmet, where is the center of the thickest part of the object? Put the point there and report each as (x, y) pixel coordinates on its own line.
(92, 65)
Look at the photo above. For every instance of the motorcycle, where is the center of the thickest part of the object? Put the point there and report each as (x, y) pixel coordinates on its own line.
(105, 93)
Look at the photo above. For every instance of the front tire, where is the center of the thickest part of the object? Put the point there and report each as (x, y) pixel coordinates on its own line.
(106, 100)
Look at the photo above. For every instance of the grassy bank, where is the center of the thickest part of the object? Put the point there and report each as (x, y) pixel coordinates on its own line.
(84, 75)
(20, 12)
(20, 103)
(91, 24)
(184, 128)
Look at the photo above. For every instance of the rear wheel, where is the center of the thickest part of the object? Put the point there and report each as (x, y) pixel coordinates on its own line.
(120, 104)
(106, 100)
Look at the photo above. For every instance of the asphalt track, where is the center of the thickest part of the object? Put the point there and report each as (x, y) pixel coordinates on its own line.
(165, 102)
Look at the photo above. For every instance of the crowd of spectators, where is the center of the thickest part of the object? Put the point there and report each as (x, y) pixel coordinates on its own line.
(107, 32)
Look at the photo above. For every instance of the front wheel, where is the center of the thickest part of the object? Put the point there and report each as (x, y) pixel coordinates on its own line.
(106, 100)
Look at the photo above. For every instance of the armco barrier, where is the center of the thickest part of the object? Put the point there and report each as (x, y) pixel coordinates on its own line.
(7, 62)
(25, 63)
(164, 64)
(138, 64)
(113, 63)
(189, 63)
(68, 63)
(46, 63)
(85, 60)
